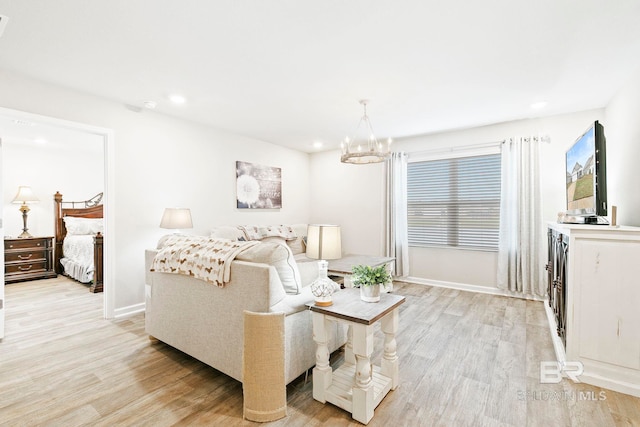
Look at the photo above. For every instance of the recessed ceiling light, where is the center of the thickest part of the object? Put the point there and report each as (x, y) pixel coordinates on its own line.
(177, 99)
(538, 105)
(318, 144)
(21, 122)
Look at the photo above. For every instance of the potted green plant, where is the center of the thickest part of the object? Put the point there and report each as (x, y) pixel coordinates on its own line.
(369, 280)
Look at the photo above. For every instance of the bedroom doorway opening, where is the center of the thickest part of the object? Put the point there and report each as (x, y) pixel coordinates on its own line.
(37, 151)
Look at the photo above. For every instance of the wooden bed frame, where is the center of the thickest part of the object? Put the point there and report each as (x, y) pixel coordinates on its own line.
(88, 209)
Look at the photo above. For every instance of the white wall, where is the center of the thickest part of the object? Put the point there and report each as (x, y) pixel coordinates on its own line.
(622, 130)
(351, 196)
(47, 168)
(350, 192)
(165, 162)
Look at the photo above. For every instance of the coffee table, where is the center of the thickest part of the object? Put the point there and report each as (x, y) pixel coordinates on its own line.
(342, 267)
(356, 386)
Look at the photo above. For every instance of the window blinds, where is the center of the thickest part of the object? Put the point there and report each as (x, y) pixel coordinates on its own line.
(454, 202)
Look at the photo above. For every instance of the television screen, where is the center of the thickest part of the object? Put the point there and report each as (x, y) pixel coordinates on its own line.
(586, 180)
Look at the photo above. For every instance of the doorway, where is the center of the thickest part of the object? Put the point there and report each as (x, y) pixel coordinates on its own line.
(29, 141)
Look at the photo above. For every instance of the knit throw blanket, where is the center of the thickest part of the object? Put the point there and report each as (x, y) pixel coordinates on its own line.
(204, 258)
(258, 232)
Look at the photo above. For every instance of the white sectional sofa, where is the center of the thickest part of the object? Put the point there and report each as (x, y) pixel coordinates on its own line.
(206, 321)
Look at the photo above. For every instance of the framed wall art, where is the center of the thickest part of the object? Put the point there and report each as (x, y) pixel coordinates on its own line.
(258, 186)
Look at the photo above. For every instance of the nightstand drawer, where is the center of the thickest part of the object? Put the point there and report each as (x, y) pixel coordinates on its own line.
(33, 243)
(25, 267)
(25, 256)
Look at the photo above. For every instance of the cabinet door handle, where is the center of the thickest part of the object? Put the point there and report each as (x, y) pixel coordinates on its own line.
(25, 257)
(21, 268)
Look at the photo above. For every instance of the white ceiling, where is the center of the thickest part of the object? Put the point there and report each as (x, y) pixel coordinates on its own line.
(41, 136)
(291, 72)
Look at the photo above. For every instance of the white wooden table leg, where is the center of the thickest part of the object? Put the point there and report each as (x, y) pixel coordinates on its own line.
(348, 348)
(322, 373)
(389, 364)
(363, 404)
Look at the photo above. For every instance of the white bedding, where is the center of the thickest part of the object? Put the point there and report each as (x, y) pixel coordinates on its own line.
(78, 257)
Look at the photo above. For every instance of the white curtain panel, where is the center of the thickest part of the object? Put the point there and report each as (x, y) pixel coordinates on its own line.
(519, 260)
(396, 228)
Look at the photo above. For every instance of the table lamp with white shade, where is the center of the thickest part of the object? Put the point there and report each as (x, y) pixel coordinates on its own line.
(25, 196)
(176, 219)
(323, 243)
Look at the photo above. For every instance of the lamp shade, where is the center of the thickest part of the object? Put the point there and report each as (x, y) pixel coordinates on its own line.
(323, 241)
(176, 218)
(25, 195)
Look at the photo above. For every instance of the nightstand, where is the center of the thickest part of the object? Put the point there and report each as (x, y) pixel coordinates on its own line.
(29, 258)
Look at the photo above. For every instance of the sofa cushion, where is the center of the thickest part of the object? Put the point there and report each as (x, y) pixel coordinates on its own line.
(292, 304)
(308, 270)
(278, 255)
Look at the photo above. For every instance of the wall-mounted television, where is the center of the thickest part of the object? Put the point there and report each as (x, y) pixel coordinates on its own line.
(586, 162)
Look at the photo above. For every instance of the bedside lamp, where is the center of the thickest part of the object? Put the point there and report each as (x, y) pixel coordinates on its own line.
(176, 219)
(323, 243)
(24, 196)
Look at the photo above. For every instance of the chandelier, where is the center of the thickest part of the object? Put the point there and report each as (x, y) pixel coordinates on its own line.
(364, 148)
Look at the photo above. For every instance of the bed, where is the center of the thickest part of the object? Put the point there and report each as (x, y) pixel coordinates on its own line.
(79, 240)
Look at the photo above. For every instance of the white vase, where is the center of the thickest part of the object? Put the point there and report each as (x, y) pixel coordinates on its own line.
(370, 293)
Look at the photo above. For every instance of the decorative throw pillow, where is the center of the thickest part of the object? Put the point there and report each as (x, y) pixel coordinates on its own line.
(226, 232)
(277, 255)
(297, 246)
(287, 268)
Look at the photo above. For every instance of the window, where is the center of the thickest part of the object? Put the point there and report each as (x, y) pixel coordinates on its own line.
(454, 202)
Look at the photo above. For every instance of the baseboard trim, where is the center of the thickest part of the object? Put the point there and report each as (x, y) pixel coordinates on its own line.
(558, 346)
(130, 310)
(467, 287)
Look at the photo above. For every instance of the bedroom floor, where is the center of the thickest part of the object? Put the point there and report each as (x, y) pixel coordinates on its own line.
(465, 359)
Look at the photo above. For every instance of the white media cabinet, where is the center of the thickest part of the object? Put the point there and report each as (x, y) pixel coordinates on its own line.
(593, 304)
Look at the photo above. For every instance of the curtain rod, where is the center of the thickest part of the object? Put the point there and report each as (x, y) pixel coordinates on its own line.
(541, 138)
(458, 148)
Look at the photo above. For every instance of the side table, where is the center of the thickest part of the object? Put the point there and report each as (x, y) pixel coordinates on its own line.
(357, 386)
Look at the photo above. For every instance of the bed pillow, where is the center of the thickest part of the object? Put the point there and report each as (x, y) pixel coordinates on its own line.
(82, 226)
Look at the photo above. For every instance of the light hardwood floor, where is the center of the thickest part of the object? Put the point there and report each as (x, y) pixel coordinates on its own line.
(465, 359)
